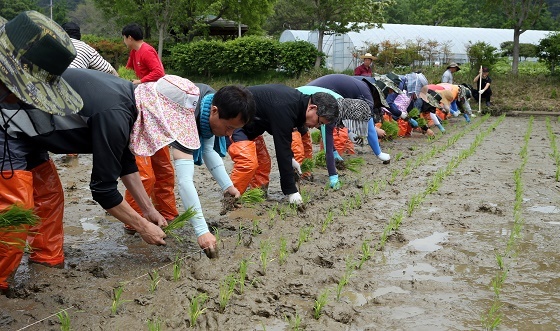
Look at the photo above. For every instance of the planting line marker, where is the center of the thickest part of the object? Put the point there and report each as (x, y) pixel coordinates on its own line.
(46, 318)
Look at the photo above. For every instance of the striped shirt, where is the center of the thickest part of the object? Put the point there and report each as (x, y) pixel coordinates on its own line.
(88, 58)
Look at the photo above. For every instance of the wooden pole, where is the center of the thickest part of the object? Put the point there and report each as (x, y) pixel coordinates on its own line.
(479, 88)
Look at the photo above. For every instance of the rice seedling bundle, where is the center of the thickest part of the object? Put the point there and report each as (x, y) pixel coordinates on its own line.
(422, 122)
(15, 216)
(413, 113)
(178, 223)
(307, 165)
(252, 196)
(320, 159)
(354, 164)
(316, 136)
(391, 129)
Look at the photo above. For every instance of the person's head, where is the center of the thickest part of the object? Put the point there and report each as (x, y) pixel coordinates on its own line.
(73, 30)
(321, 109)
(368, 59)
(233, 106)
(429, 100)
(131, 33)
(453, 67)
(485, 72)
(35, 52)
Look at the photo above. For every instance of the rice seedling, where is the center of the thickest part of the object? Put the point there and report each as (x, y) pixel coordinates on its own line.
(327, 221)
(177, 268)
(239, 235)
(178, 223)
(307, 165)
(217, 234)
(265, 247)
(303, 236)
(357, 201)
(343, 281)
(252, 196)
(283, 252)
(155, 278)
(14, 216)
(398, 156)
(272, 214)
(294, 322)
(305, 196)
(320, 159)
(354, 164)
(255, 228)
(320, 303)
(243, 265)
(367, 253)
(117, 301)
(226, 291)
(64, 320)
(154, 324)
(316, 136)
(391, 129)
(195, 308)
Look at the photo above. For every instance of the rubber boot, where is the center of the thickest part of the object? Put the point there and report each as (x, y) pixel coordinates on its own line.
(18, 189)
(261, 178)
(47, 238)
(244, 156)
(144, 164)
(163, 195)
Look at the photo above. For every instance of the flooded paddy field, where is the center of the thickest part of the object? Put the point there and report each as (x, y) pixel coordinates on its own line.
(458, 233)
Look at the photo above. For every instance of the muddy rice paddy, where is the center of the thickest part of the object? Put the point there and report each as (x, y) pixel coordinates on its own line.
(442, 222)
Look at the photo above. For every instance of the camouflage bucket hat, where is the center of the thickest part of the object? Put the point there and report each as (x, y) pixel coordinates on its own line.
(375, 91)
(384, 80)
(34, 52)
(430, 97)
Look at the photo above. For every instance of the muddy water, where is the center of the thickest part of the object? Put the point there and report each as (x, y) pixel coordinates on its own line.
(435, 273)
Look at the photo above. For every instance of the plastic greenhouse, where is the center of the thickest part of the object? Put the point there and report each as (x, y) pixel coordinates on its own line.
(342, 49)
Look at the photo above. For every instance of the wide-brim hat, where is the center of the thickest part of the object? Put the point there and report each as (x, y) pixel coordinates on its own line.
(453, 65)
(34, 52)
(376, 93)
(464, 93)
(385, 83)
(430, 96)
(368, 56)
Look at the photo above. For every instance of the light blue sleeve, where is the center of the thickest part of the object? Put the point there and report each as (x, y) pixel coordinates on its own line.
(309, 90)
(215, 164)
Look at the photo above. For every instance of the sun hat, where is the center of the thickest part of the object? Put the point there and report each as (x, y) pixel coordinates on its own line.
(453, 65)
(430, 96)
(368, 56)
(376, 92)
(34, 52)
(386, 83)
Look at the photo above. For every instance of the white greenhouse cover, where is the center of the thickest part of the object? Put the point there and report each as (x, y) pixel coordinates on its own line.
(340, 48)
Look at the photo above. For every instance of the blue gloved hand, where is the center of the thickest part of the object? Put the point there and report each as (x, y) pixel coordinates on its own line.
(440, 127)
(334, 183)
(466, 116)
(337, 156)
(413, 122)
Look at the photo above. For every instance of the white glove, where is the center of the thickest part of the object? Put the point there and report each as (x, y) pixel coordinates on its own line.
(296, 167)
(404, 115)
(482, 91)
(352, 136)
(295, 198)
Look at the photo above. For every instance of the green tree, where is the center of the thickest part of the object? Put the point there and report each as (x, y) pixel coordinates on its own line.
(60, 11)
(10, 8)
(92, 20)
(549, 50)
(481, 54)
(522, 15)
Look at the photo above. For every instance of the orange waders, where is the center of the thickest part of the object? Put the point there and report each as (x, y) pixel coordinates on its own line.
(251, 164)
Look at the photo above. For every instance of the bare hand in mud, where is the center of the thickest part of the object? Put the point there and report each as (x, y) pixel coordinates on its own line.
(207, 242)
(229, 203)
(340, 165)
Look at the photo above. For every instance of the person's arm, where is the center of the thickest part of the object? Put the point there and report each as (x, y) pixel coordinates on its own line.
(97, 62)
(153, 63)
(130, 62)
(215, 165)
(475, 80)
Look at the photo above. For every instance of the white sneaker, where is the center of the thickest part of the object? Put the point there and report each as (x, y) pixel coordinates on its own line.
(384, 157)
(472, 115)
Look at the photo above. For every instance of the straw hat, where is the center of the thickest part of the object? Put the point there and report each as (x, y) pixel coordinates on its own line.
(368, 56)
(34, 52)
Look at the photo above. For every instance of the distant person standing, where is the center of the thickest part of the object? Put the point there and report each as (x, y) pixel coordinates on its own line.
(143, 58)
(365, 68)
(448, 74)
(483, 89)
(156, 171)
(87, 57)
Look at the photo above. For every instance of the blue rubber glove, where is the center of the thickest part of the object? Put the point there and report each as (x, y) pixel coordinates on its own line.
(337, 156)
(334, 183)
(440, 127)
(413, 122)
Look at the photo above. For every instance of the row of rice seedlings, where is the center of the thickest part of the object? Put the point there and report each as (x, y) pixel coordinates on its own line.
(555, 153)
(493, 316)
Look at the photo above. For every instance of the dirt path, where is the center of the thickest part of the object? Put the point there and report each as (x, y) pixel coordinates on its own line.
(433, 273)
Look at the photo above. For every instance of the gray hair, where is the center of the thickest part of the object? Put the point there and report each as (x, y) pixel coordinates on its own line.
(327, 106)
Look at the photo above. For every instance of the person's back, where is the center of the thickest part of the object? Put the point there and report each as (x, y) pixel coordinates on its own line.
(86, 56)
